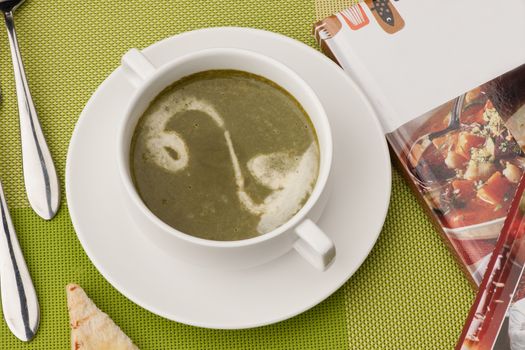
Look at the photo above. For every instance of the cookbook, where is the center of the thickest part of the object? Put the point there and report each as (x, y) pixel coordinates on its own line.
(447, 81)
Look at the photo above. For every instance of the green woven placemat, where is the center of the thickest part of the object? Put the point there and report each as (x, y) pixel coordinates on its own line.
(409, 294)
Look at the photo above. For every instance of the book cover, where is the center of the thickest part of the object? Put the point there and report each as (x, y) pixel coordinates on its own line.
(447, 80)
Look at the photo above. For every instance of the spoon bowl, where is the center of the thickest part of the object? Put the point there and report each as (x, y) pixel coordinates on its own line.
(10, 5)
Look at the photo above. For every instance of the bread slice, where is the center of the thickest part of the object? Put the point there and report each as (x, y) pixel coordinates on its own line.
(91, 329)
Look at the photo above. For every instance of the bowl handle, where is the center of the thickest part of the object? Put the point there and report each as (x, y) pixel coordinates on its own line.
(137, 67)
(314, 245)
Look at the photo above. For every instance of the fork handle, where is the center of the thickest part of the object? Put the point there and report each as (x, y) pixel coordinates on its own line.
(19, 300)
(40, 177)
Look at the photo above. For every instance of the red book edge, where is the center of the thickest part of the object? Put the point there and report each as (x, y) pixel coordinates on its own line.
(505, 232)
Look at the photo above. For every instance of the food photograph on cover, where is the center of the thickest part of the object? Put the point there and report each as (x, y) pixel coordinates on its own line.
(262, 175)
(466, 160)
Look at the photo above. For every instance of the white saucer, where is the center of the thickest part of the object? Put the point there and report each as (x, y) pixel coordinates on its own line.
(236, 299)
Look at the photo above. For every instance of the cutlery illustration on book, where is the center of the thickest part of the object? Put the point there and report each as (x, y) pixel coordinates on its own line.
(386, 15)
(355, 17)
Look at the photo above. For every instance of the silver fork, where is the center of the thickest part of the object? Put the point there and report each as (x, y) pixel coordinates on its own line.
(19, 300)
(353, 15)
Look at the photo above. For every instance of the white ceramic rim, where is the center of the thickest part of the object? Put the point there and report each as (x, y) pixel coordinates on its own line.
(326, 150)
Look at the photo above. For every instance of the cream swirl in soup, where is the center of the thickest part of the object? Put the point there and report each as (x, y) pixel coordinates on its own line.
(225, 155)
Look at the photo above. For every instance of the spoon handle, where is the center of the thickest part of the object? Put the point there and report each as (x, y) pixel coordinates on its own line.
(41, 181)
(19, 300)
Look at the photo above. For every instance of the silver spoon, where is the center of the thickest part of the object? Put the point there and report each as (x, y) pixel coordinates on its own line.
(41, 181)
(19, 300)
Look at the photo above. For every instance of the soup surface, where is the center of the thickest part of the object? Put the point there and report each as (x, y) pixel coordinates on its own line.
(224, 155)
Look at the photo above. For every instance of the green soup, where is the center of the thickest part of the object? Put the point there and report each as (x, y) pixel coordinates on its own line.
(224, 155)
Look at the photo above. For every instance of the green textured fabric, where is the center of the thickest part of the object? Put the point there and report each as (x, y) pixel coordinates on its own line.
(409, 294)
